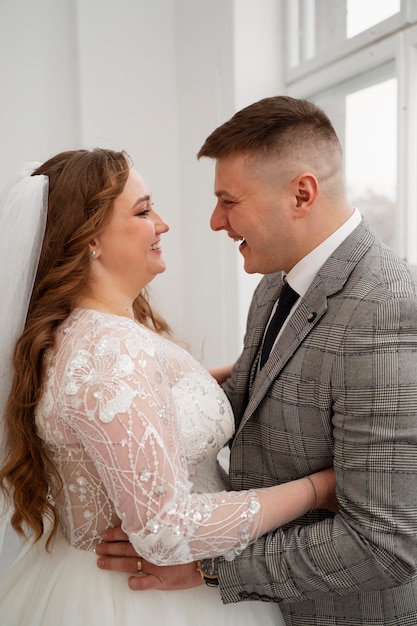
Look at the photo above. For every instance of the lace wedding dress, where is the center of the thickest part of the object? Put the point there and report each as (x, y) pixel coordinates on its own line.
(134, 425)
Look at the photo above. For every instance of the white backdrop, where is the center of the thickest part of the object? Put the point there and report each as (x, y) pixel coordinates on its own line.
(153, 77)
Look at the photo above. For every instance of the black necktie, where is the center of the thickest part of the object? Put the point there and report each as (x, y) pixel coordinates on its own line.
(286, 300)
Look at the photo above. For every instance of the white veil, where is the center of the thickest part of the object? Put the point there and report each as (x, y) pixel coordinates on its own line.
(23, 211)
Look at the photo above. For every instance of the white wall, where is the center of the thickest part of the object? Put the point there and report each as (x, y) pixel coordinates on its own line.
(128, 100)
(228, 55)
(38, 81)
(153, 77)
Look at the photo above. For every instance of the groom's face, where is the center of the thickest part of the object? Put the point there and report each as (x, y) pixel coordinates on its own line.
(254, 208)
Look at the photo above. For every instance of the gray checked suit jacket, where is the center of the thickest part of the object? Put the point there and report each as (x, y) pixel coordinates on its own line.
(340, 388)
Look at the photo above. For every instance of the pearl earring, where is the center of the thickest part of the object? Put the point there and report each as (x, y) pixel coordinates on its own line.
(92, 255)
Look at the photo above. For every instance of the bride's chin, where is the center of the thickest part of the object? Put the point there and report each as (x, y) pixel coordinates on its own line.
(162, 268)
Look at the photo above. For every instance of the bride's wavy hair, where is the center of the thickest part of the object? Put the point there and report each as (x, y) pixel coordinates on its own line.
(83, 185)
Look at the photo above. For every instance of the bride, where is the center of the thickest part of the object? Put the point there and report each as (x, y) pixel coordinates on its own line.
(108, 421)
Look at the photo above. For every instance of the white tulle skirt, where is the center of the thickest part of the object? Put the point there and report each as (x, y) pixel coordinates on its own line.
(65, 588)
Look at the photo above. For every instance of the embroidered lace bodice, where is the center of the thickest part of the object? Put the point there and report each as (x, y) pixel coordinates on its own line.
(134, 425)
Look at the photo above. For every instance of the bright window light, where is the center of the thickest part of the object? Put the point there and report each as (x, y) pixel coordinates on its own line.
(363, 14)
(371, 155)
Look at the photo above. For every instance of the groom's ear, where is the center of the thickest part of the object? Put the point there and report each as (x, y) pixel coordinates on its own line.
(305, 189)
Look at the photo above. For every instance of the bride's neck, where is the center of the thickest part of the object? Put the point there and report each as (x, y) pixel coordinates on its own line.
(106, 305)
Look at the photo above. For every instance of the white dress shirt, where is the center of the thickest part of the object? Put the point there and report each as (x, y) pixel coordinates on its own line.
(303, 273)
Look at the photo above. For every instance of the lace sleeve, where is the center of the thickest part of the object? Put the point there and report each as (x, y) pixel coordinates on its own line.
(118, 398)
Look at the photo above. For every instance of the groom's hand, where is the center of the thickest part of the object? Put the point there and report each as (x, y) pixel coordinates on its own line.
(117, 553)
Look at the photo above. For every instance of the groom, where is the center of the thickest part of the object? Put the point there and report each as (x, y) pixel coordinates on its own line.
(338, 387)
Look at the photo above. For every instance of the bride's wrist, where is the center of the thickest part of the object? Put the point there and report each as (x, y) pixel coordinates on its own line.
(324, 486)
(313, 494)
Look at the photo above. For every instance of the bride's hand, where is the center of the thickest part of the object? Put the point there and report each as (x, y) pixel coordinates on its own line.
(222, 373)
(116, 553)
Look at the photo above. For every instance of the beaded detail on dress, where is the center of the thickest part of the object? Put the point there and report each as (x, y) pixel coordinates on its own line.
(134, 425)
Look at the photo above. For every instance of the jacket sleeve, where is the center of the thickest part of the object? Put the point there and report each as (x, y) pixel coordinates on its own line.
(371, 544)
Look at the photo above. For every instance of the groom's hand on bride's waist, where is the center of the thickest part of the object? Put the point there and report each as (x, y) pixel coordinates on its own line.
(117, 553)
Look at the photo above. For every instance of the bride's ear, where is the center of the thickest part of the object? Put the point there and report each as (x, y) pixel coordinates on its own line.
(94, 251)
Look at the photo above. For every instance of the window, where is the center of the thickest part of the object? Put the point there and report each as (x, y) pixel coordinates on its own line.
(371, 156)
(361, 15)
(317, 27)
(360, 66)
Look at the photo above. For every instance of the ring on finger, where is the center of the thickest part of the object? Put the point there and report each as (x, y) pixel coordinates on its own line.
(139, 564)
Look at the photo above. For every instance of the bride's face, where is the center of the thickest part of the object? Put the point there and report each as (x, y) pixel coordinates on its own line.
(128, 253)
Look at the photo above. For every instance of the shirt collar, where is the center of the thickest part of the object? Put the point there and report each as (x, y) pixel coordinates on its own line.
(302, 274)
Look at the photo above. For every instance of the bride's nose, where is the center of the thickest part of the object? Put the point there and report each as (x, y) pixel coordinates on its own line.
(160, 225)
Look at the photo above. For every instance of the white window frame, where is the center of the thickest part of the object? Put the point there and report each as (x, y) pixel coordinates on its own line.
(407, 152)
(387, 49)
(302, 30)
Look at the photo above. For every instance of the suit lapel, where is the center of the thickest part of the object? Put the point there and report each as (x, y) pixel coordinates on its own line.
(304, 318)
(256, 331)
(330, 279)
